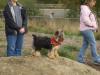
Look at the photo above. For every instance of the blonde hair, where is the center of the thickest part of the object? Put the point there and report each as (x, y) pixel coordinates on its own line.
(87, 1)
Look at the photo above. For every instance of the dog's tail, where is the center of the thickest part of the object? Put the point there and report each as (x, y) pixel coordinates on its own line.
(34, 40)
(34, 36)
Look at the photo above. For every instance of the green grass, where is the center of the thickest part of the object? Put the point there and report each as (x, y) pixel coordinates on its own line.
(69, 51)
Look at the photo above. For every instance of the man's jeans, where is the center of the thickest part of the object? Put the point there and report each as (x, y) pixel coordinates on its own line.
(14, 45)
(88, 38)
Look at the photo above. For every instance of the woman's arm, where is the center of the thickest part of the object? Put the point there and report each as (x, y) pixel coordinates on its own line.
(85, 13)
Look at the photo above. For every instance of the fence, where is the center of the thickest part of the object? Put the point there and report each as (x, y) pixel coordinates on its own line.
(58, 12)
(43, 6)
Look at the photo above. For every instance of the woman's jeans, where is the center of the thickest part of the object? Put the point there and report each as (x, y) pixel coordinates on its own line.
(88, 39)
(14, 44)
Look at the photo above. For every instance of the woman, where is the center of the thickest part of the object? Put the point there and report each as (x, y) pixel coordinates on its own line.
(15, 27)
(88, 24)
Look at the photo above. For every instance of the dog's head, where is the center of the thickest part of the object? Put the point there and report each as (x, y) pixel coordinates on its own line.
(60, 35)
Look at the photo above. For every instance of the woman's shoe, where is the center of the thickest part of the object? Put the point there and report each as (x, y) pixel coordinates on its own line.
(97, 61)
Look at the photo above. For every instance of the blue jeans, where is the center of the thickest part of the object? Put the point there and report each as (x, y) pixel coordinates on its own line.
(14, 44)
(88, 39)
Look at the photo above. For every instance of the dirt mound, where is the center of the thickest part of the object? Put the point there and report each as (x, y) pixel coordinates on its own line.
(43, 66)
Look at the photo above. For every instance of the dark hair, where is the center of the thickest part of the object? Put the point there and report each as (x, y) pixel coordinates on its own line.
(56, 33)
(83, 2)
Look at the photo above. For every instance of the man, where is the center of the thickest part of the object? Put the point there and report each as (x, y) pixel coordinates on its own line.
(15, 27)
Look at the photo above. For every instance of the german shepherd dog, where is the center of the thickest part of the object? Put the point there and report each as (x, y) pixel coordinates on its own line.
(51, 43)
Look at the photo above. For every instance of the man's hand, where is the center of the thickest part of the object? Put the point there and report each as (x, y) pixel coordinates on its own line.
(22, 30)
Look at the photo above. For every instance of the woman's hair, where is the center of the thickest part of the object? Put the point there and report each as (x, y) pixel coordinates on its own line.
(83, 2)
(9, 0)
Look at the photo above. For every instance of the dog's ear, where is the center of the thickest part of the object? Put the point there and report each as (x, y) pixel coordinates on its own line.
(57, 33)
(61, 30)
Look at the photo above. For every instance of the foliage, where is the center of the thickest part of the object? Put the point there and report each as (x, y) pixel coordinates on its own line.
(69, 4)
(2, 3)
(72, 13)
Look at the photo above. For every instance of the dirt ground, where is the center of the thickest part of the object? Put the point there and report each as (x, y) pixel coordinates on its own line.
(29, 65)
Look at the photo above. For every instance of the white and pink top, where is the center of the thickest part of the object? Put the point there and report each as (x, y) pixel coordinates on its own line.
(87, 19)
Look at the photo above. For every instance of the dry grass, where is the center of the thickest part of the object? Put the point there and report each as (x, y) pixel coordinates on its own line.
(49, 26)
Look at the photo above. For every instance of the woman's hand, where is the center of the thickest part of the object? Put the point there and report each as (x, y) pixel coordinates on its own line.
(97, 30)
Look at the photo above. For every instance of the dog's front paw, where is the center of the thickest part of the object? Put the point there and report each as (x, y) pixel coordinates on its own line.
(57, 55)
(37, 53)
(51, 56)
(33, 53)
